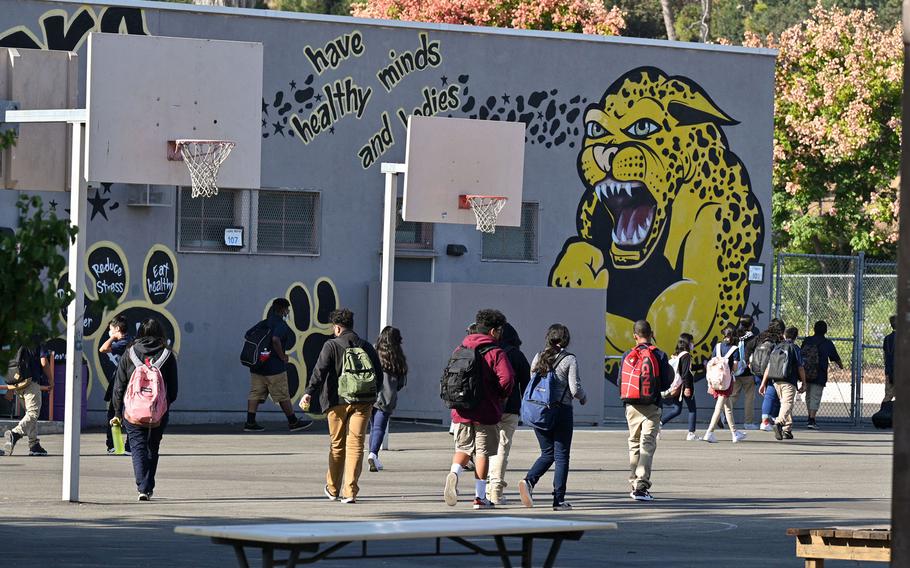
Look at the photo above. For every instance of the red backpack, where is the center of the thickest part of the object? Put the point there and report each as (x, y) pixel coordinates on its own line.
(639, 381)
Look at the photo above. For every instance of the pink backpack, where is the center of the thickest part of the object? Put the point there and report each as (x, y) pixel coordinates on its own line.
(718, 374)
(145, 401)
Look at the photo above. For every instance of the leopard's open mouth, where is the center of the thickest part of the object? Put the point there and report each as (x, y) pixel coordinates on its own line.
(632, 208)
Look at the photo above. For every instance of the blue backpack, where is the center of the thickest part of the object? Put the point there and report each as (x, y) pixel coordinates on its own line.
(538, 404)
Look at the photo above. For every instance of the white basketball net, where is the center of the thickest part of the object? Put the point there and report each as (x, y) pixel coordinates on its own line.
(203, 158)
(486, 209)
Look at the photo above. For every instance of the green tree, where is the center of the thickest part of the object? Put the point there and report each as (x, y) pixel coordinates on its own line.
(836, 134)
(30, 261)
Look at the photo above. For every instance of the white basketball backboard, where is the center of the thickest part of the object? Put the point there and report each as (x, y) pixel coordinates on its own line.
(143, 91)
(450, 157)
(33, 79)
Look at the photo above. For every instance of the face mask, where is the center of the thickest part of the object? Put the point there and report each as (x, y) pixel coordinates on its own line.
(286, 317)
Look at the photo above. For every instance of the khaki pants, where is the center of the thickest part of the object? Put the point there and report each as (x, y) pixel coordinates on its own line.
(746, 386)
(644, 424)
(725, 405)
(347, 432)
(500, 462)
(787, 394)
(31, 399)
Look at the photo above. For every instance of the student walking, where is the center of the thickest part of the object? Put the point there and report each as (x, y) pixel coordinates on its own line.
(764, 344)
(346, 380)
(555, 443)
(644, 373)
(269, 378)
(118, 339)
(681, 362)
(726, 357)
(744, 380)
(145, 388)
(888, 348)
(817, 353)
(394, 378)
(785, 369)
(477, 413)
(510, 343)
(25, 374)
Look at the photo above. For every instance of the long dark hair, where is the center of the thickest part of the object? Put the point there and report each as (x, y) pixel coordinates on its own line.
(774, 333)
(151, 328)
(682, 344)
(558, 338)
(388, 346)
(730, 335)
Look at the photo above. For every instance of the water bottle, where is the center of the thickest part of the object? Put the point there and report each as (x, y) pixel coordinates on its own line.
(117, 435)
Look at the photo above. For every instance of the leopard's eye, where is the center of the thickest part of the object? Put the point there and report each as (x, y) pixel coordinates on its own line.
(642, 128)
(595, 130)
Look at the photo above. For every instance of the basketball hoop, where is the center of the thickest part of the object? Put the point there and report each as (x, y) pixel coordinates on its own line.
(486, 209)
(203, 158)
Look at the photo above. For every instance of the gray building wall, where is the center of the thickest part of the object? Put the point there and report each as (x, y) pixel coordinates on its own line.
(546, 80)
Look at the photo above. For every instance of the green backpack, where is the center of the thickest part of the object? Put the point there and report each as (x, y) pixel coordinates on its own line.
(357, 382)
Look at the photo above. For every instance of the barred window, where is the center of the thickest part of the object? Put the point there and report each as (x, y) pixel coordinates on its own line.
(202, 220)
(412, 235)
(514, 243)
(288, 222)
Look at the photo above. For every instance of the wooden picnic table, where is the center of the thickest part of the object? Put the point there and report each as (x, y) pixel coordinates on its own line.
(837, 543)
(297, 538)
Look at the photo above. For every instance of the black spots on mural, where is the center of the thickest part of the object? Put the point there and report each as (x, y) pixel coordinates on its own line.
(277, 112)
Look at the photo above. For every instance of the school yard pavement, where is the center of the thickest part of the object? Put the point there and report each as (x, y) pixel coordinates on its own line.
(716, 504)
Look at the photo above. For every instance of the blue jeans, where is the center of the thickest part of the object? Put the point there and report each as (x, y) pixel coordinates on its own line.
(554, 447)
(144, 445)
(675, 407)
(770, 405)
(378, 423)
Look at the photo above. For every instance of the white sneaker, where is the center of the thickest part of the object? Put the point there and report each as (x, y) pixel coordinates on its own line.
(375, 464)
(766, 427)
(450, 493)
(657, 437)
(692, 436)
(525, 491)
(751, 426)
(710, 438)
(738, 436)
(348, 500)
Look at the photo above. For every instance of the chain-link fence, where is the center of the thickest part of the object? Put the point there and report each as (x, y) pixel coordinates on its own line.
(855, 297)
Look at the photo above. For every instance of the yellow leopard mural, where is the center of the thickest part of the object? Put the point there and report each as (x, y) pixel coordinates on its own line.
(668, 221)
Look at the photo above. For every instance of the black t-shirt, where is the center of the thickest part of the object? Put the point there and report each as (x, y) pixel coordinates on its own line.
(274, 365)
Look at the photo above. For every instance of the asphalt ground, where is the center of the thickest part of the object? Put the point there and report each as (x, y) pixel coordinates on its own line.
(715, 504)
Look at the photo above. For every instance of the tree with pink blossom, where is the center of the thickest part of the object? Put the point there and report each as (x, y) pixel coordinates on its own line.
(583, 16)
(837, 133)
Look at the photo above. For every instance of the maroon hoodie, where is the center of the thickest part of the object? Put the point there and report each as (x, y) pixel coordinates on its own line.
(499, 379)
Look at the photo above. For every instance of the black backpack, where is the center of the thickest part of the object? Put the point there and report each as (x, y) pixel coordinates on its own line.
(257, 342)
(461, 386)
(22, 367)
(779, 362)
(811, 359)
(760, 358)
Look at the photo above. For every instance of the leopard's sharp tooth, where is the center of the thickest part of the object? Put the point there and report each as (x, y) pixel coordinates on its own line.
(628, 188)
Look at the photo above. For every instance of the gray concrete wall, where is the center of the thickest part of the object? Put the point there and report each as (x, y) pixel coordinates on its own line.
(433, 318)
(545, 80)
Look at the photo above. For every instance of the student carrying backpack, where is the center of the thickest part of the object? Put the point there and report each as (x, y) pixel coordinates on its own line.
(344, 385)
(145, 388)
(720, 385)
(681, 362)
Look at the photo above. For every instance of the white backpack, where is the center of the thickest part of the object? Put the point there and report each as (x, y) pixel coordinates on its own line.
(677, 378)
(718, 374)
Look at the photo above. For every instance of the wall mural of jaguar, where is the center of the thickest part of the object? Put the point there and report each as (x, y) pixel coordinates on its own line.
(668, 221)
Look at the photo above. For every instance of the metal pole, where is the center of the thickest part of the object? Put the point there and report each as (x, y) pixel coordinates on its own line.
(858, 339)
(808, 300)
(74, 314)
(387, 274)
(779, 280)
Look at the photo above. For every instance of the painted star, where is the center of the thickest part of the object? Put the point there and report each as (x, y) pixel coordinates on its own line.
(97, 202)
(106, 187)
(332, 130)
(265, 107)
(318, 97)
(505, 99)
(445, 80)
(53, 205)
(293, 84)
(756, 311)
(539, 115)
(279, 128)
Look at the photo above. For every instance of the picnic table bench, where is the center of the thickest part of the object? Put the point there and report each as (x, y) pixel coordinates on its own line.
(817, 545)
(297, 538)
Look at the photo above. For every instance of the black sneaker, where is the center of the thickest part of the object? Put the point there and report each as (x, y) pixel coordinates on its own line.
(641, 495)
(778, 431)
(812, 425)
(10, 444)
(37, 450)
(788, 435)
(299, 424)
(253, 427)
